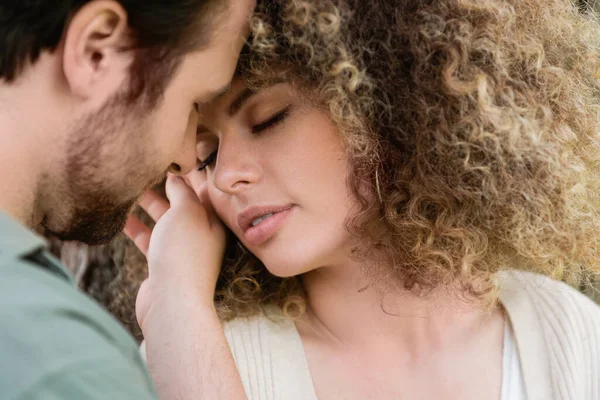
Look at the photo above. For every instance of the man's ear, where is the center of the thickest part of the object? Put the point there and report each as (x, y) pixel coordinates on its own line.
(93, 46)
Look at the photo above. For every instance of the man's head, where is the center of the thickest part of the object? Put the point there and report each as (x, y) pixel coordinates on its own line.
(111, 89)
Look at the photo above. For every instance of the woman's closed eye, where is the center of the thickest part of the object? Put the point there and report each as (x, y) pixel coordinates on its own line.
(271, 122)
(207, 161)
(256, 129)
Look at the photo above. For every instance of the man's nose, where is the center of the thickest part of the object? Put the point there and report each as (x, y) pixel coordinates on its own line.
(183, 167)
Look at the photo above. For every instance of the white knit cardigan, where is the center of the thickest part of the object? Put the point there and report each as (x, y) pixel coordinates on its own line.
(557, 332)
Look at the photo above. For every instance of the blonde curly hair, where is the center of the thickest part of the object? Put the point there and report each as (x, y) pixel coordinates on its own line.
(472, 132)
(471, 127)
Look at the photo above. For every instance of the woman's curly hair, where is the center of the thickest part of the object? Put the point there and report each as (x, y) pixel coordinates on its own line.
(472, 130)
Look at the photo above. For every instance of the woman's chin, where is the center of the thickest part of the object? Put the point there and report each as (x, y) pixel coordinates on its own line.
(283, 269)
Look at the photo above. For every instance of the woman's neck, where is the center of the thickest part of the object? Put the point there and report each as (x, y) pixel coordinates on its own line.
(344, 310)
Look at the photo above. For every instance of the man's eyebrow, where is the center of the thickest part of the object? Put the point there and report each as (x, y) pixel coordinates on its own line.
(239, 102)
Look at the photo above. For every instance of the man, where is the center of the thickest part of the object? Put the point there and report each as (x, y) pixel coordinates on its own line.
(98, 100)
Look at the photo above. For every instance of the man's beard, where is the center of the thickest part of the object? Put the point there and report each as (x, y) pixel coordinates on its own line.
(104, 176)
(96, 223)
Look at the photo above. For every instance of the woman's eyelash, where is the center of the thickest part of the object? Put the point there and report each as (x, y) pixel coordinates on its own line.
(209, 160)
(274, 121)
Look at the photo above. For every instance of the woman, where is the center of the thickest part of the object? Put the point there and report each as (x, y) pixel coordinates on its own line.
(402, 182)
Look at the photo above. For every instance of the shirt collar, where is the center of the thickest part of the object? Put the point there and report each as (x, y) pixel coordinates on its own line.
(16, 240)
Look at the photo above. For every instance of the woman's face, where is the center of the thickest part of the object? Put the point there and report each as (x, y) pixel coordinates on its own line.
(274, 169)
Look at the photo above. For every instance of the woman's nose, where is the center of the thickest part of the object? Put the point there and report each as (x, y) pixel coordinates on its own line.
(237, 168)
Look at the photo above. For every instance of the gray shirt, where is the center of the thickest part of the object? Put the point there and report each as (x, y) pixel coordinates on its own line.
(55, 342)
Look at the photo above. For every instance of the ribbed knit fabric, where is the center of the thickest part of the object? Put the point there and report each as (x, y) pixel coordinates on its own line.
(557, 332)
(513, 386)
(270, 359)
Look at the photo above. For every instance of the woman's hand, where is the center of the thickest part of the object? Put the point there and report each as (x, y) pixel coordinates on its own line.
(187, 352)
(184, 250)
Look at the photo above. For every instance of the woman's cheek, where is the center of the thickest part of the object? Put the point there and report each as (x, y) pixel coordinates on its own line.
(220, 207)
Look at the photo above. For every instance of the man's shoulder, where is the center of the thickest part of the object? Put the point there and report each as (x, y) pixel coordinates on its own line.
(36, 293)
(51, 332)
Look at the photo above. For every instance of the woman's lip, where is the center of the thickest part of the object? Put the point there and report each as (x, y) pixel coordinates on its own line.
(256, 235)
(248, 216)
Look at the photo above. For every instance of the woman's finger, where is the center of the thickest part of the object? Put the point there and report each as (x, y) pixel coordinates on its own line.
(154, 204)
(138, 232)
(197, 181)
(178, 192)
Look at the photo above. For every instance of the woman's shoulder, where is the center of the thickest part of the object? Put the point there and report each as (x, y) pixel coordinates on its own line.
(269, 354)
(557, 330)
(548, 297)
(267, 332)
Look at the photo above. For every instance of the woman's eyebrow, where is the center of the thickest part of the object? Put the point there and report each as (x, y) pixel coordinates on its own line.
(239, 102)
(235, 107)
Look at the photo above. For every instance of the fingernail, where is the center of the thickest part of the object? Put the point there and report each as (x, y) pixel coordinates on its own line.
(176, 178)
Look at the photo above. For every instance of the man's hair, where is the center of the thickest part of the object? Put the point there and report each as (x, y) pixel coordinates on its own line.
(162, 31)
